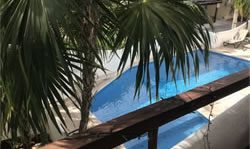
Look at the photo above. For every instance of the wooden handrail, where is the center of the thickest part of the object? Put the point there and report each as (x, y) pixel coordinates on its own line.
(124, 128)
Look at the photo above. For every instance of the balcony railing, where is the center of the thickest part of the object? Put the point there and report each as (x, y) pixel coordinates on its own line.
(148, 119)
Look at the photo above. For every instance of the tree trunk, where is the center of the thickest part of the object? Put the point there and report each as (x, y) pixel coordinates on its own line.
(241, 19)
(27, 142)
(247, 24)
(25, 133)
(235, 18)
(88, 75)
(87, 97)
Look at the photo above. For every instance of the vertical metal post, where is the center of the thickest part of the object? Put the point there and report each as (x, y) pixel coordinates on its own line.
(152, 139)
(216, 10)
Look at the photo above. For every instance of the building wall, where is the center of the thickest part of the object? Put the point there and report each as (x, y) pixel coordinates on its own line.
(224, 11)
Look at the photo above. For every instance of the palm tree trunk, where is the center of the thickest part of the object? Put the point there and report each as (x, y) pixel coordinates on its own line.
(26, 140)
(88, 74)
(247, 24)
(88, 83)
(235, 18)
(87, 97)
(25, 132)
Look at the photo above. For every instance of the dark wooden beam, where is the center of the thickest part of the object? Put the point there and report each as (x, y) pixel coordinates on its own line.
(134, 124)
(152, 139)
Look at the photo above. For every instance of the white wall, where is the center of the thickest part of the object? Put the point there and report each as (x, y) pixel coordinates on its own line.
(224, 11)
(229, 130)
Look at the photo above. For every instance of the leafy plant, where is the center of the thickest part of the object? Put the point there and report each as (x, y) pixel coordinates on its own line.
(36, 66)
(50, 49)
(242, 8)
(153, 27)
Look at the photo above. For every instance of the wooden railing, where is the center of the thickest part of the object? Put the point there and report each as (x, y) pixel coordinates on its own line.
(122, 129)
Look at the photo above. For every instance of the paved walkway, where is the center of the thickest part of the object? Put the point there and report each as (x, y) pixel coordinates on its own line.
(239, 52)
(222, 25)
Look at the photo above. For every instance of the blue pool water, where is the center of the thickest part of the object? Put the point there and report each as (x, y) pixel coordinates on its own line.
(116, 99)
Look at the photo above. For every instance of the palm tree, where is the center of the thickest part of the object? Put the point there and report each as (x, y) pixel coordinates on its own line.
(45, 43)
(240, 7)
(247, 12)
(38, 53)
(176, 32)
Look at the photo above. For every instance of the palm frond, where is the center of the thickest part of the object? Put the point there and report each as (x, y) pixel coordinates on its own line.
(162, 29)
(36, 63)
(243, 7)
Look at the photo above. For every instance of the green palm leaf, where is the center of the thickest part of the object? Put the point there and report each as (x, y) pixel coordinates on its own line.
(243, 6)
(37, 67)
(153, 27)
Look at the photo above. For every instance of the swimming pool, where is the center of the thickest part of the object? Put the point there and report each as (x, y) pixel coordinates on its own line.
(116, 98)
